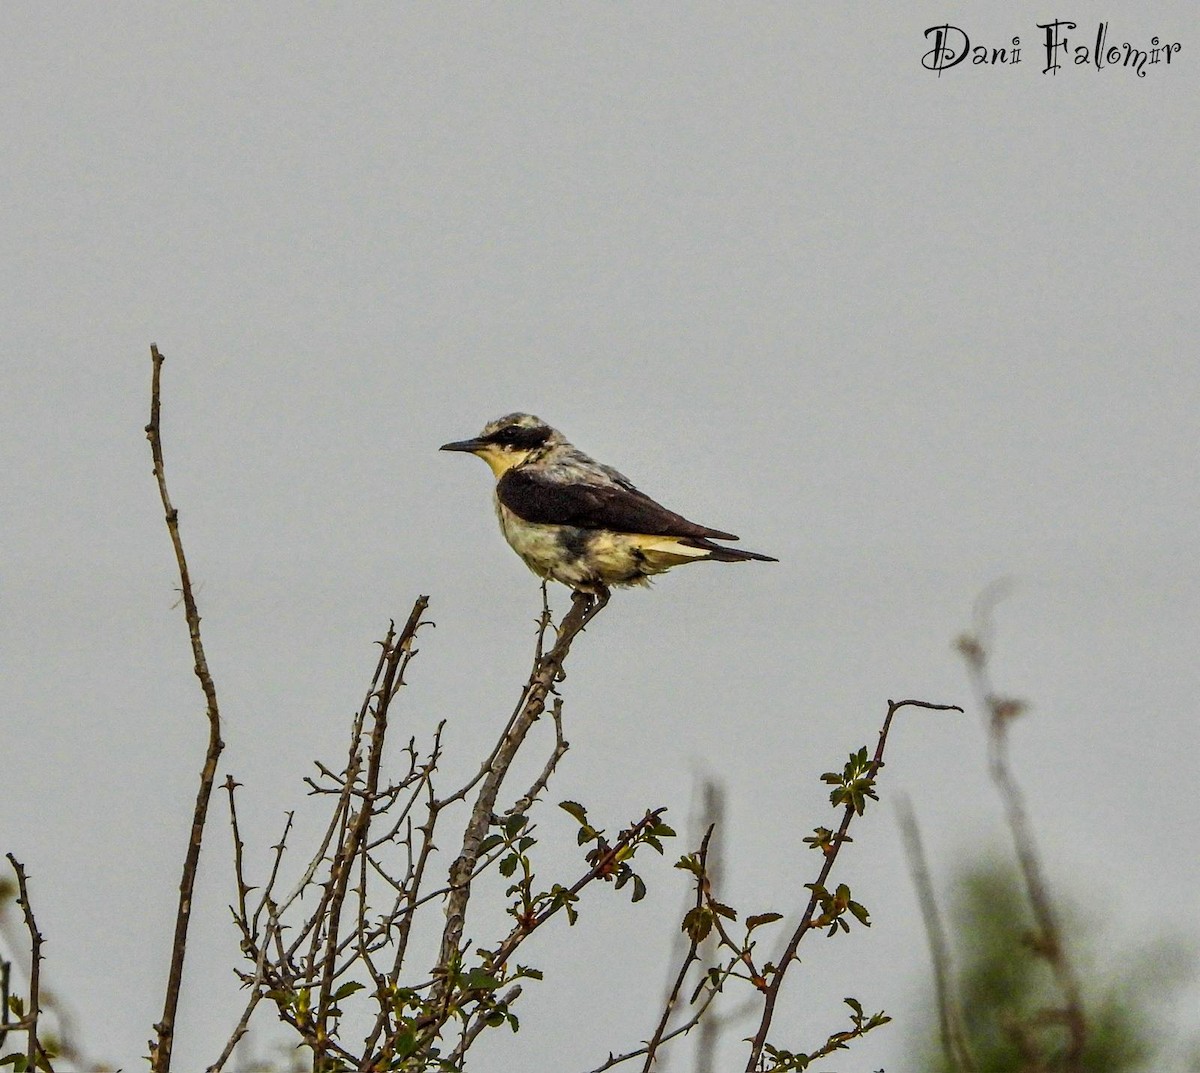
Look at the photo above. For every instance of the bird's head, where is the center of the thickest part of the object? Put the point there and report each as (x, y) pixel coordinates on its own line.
(508, 441)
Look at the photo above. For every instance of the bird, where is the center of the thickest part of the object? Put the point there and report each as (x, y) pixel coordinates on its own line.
(577, 521)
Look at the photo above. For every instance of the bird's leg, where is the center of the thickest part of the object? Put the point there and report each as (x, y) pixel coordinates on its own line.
(544, 621)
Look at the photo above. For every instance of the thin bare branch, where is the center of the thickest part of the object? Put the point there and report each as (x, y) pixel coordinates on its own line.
(359, 827)
(544, 624)
(525, 802)
(160, 1049)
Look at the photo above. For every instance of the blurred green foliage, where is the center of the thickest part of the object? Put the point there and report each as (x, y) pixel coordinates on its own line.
(1005, 987)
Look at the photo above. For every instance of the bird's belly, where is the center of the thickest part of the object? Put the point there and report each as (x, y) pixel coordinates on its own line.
(580, 558)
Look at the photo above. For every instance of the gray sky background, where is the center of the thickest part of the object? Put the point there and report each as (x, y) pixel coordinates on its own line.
(910, 334)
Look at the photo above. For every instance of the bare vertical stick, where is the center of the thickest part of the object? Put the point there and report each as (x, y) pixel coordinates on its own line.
(1001, 711)
(950, 1019)
(160, 1049)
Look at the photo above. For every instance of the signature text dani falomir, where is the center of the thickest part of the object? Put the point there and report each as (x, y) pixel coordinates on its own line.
(1060, 48)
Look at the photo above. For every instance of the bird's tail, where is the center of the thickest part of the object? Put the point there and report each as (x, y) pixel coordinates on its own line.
(719, 553)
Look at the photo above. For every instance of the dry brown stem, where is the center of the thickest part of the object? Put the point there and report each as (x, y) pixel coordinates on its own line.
(161, 1047)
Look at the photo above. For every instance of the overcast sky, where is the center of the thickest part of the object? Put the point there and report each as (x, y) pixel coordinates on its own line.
(908, 333)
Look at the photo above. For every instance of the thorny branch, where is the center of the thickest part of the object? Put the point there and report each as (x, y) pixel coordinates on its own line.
(807, 921)
(359, 824)
(35, 1053)
(690, 958)
(525, 802)
(709, 917)
(160, 1049)
(547, 670)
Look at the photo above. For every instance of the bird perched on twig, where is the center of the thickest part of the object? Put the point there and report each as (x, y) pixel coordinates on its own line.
(576, 521)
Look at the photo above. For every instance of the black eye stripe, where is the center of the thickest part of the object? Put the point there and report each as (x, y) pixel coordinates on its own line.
(516, 436)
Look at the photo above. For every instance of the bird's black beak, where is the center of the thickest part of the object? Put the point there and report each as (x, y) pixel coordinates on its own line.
(467, 446)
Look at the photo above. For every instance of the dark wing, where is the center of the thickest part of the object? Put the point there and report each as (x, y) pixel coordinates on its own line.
(622, 509)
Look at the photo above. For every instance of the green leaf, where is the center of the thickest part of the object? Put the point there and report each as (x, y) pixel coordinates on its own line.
(480, 980)
(574, 808)
(16, 1060)
(759, 919)
(403, 998)
(639, 889)
(725, 911)
(854, 1004)
(697, 923)
(347, 989)
(406, 1043)
(560, 895)
(491, 842)
(515, 824)
(508, 865)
